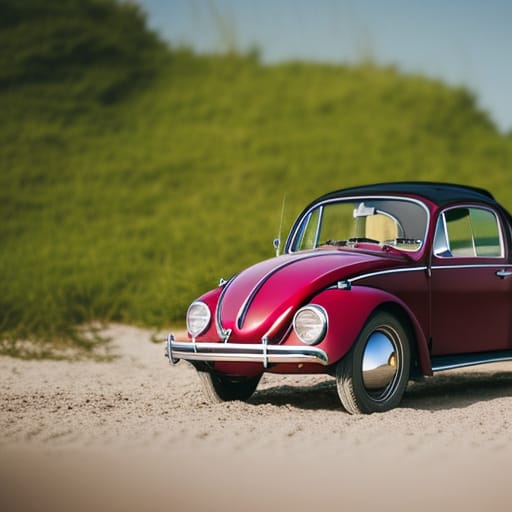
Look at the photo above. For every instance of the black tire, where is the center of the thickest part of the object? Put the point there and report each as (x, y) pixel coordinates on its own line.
(379, 387)
(220, 388)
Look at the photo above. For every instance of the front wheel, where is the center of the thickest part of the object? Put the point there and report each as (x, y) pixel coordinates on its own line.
(220, 388)
(373, 376)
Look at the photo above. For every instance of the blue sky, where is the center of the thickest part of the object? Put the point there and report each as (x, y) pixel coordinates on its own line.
(461, 42)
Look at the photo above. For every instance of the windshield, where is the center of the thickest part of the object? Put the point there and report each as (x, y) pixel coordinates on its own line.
(397, 222)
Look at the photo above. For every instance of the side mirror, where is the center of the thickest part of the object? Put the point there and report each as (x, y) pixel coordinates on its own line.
(277, 244)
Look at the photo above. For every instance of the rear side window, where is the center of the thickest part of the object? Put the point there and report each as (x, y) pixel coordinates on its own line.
(468, 233)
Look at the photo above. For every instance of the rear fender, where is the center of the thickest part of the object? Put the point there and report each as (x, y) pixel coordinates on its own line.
(349, 309)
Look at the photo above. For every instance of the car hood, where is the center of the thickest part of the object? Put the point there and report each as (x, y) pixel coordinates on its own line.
(261, 300)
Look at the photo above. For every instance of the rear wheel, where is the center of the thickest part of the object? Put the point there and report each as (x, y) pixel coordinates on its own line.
(220, 388)
(373, 376)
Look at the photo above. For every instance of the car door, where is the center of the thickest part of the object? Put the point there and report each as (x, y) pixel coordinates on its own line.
(470, 287)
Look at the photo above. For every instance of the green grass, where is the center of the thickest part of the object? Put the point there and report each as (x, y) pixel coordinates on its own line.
(134, 176)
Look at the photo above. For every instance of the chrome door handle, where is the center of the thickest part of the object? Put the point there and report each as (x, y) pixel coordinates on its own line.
(504, 273)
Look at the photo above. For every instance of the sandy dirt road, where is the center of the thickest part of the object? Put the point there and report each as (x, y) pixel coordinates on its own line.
(136, 434)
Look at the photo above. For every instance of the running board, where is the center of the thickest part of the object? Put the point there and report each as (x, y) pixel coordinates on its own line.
(440, 363)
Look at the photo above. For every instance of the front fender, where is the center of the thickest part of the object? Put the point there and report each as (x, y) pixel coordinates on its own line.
(349, 309)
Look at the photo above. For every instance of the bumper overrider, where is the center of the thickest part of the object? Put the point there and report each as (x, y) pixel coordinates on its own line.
(243, 352)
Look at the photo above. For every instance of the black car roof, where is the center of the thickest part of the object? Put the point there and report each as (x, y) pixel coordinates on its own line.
(438, 193)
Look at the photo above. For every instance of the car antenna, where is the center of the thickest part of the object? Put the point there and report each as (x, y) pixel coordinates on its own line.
(277, 241)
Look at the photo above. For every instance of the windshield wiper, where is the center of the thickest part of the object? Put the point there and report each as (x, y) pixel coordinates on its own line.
(335, 243)
(350, 242)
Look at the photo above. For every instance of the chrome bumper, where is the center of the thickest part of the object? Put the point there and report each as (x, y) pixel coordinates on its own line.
(243, 352)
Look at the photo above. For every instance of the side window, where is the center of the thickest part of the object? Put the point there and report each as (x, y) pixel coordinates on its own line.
(486, 233)
(468, 233)
(460, 236)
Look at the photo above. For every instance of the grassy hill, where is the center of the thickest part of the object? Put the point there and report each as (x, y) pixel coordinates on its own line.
(134, 175)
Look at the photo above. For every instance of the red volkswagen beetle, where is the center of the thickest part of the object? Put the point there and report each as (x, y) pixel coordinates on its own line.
(377, 285)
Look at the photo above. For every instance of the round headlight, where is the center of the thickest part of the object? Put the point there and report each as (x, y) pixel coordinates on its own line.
(198, 318)
(310, 324)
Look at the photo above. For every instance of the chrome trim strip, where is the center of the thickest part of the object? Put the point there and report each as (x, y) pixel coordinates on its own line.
(248, 301)
(487, 208)
(473, 265)
(224, 334)
(440, 363)
(389, 271)
(244, 352)
(424, 268)
(318, 224)
(293, 235)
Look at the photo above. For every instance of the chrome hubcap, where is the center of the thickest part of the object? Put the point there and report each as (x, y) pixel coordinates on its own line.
(380, 365)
